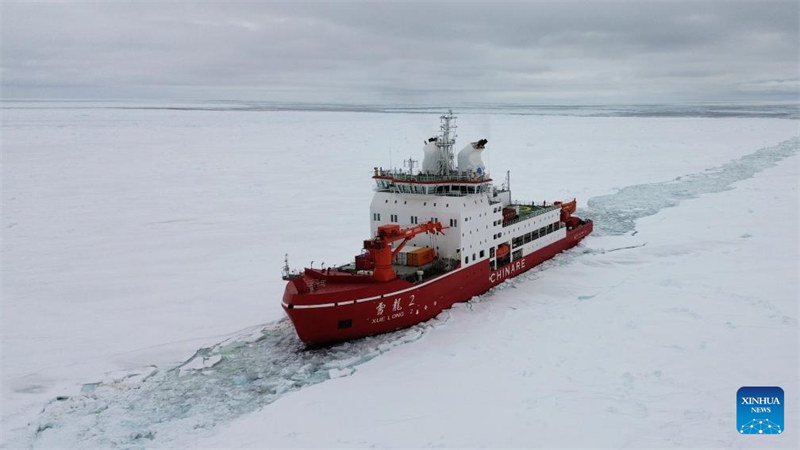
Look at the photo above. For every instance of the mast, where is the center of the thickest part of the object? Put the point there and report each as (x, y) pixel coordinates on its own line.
(445, 144)
(410, 163)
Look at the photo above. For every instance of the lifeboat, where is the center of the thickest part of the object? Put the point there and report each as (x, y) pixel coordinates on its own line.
(502, 251)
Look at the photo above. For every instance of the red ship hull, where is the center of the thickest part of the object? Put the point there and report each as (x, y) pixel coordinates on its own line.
(345, 306)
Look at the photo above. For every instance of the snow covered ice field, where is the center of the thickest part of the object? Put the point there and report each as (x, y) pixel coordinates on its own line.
(141, 254)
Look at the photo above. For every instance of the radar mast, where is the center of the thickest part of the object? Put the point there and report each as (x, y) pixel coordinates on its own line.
(445, 144)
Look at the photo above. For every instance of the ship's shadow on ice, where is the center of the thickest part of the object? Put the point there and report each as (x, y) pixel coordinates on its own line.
(247, 372)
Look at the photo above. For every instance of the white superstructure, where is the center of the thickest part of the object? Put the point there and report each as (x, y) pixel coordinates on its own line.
(481, 221)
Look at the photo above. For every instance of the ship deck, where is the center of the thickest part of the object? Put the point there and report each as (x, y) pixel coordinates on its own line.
(409, 273)
(528, 211)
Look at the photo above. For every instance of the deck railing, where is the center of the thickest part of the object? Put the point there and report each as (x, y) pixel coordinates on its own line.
(533, 212)
(424, 177)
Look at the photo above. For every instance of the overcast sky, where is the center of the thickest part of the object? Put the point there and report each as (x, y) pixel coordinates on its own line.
(403, 52)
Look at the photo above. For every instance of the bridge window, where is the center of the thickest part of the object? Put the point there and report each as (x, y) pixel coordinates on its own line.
(376, 216)
(414, 220)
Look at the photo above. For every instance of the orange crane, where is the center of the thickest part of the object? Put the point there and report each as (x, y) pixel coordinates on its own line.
(567, 208)
(380, 250)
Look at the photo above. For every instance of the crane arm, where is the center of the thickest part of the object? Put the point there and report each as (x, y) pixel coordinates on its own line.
(380, 251)
(393, 232)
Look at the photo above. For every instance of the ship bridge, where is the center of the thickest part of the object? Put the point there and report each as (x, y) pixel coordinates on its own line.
(454, 184)
(452, 189)
(439, 175)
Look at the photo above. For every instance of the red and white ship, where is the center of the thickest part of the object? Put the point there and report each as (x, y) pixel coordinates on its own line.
(440, 236)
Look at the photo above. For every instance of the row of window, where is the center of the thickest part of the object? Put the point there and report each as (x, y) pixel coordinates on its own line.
(432, 189)
(533, 235)
(414, 219)
(405, 202)
(446, 205)
(482, 253)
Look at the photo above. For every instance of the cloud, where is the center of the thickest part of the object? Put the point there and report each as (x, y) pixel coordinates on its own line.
(586, 52)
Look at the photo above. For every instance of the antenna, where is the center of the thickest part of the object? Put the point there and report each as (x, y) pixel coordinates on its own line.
(445, 144)
(286, 270)
(410, 164)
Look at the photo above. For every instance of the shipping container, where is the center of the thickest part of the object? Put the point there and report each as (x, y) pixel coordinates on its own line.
(421, 256)
(363, 262)
(401, 258)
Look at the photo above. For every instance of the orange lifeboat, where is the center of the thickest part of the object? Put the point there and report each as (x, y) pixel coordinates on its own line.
(502, 251)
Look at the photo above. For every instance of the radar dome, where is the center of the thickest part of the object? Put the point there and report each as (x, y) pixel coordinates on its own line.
(430, 164)
(469, 158)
